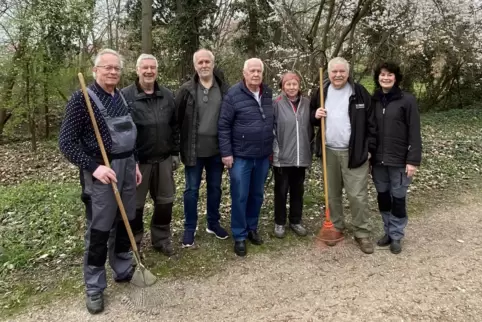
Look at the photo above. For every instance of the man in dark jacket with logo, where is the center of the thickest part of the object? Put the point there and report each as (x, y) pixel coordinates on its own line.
(153, 111)
(350, 141)
(197, 106)
(246, 142)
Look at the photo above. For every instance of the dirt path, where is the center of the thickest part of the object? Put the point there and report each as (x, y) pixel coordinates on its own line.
(438, 277)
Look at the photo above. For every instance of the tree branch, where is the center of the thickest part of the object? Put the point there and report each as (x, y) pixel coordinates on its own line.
(360, 12)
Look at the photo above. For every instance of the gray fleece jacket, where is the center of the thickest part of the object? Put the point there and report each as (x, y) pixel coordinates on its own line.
(293, 132)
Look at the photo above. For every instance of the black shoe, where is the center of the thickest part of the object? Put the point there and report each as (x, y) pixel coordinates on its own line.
(95, 303)
(384, 241)
(395, 247)
(240, 248)
(255, 238)
(165, 248)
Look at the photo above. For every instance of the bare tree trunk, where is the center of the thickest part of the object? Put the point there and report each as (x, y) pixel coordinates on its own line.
(7, 96)
(30, 112)
(117, 22)
(253, 27)
(310, 38)
(147, 26)
(109, 25)
(4, 116)
(46, 103)
(360, 12)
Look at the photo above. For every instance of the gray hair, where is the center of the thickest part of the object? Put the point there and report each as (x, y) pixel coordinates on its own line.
(104, 52)
(210, 54)
(253, 60)
(144, 57)
(338, 60)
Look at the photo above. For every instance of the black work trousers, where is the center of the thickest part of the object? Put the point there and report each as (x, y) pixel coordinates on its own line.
(288, 179)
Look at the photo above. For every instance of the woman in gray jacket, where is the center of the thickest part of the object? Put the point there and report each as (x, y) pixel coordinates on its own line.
(291, 153)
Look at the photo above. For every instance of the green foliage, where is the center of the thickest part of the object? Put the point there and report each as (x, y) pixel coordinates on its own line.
(42, 219)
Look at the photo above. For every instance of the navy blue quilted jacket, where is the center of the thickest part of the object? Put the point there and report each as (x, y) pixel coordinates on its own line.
(245, 129)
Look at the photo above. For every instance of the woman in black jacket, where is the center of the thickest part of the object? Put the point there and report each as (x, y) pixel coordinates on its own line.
(399, 151)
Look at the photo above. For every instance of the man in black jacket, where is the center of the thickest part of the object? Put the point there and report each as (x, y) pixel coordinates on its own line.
(153, 111)
(198, 102)
(350, 141)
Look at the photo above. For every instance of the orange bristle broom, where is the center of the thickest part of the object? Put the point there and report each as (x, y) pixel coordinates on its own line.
(328, 233)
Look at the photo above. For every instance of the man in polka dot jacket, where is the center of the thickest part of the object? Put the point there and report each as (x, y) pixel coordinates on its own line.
(78, 144)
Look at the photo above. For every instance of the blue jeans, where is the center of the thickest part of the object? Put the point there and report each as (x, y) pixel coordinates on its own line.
(247, 192)
(214, 171)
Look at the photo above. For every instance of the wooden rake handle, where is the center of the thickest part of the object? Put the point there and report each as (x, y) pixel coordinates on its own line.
(323, 145)
(107, 164)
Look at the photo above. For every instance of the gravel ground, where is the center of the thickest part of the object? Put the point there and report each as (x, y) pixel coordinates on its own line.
(438, 277)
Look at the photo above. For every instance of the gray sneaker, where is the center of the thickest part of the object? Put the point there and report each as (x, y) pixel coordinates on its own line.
(95, 303)
(298, 229)
(279, 231)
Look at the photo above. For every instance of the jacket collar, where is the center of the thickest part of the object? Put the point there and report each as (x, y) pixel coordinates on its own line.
(102, 91)
(140, 94)
(350, 82)
(195, 81)
(247, 90)
(395, 93)
(285, 97)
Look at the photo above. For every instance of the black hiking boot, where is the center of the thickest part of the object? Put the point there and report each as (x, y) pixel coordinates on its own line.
(395, 247)
(166, 248)
(240, 248)
(384, 241)
(255, 238)
(95, 303)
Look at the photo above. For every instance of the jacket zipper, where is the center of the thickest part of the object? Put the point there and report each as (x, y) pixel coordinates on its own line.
(297, 142)
(352, 124)
(383, 131)
(297, 134)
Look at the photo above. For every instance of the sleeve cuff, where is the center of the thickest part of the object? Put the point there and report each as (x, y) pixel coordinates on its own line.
(92, 166)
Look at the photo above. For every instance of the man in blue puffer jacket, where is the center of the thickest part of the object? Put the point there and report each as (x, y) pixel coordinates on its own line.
(245, 132)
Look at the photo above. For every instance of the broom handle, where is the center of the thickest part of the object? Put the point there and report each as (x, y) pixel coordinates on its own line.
(107, 164)
(323, 146)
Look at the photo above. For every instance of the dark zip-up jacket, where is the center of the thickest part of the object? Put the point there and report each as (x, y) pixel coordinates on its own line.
(398, 121)
(187, 115)
(363, 136)
(245, 127)
(155, 119)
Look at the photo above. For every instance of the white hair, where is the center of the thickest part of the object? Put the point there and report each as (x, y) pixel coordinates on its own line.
(104, 52)
(144, 57)
(338, 60)
(210, 54)
(253, 60)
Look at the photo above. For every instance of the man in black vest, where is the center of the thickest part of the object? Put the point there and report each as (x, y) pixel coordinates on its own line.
(153, 111)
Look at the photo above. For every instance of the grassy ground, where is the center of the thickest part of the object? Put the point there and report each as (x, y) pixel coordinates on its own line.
(42, 223)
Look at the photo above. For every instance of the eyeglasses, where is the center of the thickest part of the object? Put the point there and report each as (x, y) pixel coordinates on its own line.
(110, 68)
(205, 97)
